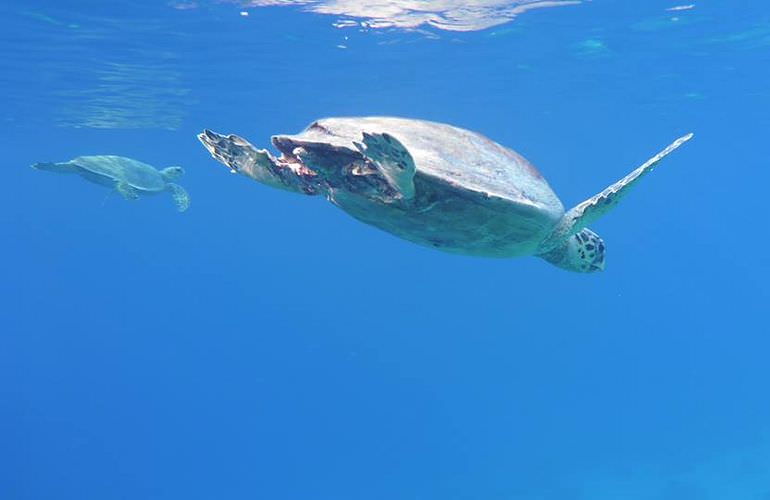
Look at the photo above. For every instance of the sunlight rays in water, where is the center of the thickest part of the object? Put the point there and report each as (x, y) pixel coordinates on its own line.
(450, 15)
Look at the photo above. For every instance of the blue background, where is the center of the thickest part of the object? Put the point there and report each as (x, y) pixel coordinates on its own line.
(266, 345)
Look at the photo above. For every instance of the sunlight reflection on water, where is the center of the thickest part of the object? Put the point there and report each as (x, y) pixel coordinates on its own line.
(100, 72)
(451, 15)
(125, 96)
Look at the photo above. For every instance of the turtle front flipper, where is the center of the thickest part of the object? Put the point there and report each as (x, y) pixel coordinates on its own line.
(127, 191)
(392, 160)
(181, 198)
(595, 207)
(242, 157)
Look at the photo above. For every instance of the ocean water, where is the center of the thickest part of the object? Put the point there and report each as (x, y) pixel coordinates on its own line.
(264, 345)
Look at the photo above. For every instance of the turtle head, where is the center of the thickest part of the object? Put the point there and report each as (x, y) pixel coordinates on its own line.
(172, 173)
(582, 252)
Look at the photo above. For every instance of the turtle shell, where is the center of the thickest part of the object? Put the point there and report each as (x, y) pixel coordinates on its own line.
(473, 196)
(137, 174)
(460, 158)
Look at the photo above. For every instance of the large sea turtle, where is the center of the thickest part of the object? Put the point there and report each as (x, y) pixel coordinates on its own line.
(433, 184)
(129, 177)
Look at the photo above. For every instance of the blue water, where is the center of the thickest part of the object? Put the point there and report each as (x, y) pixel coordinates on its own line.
(265, 345)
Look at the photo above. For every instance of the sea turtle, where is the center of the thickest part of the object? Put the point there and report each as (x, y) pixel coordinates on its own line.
(433, 184)
(129, 177)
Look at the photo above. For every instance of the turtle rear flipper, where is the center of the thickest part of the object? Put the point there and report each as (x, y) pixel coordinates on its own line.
(392, 160)
(181, 198)
(240, 156)
(63, 167)
(598, 205)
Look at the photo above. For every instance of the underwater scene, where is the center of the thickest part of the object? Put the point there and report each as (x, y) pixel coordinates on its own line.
(385, 249)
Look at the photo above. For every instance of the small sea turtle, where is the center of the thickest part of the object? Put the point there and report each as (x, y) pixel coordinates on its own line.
(433, 184)
(129, 177)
